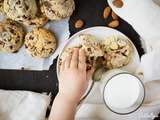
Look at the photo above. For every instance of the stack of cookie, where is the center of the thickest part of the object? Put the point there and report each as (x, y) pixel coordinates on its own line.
(40, 42)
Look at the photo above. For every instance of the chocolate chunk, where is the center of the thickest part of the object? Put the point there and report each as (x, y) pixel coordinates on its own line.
(49, 42)
(51, 50)
(31, 37)
(18, 2)
(32, 23)
(24, 17)
(16, 41)
(11, 30)
(11, 47)
(18, 37)
(89, 49)
(27, 7)
(15, 51)
(92, 58)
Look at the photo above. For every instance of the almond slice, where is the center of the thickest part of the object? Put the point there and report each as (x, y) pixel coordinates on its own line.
(106, 12)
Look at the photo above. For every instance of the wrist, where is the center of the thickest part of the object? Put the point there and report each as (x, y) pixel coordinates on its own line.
(67, 99)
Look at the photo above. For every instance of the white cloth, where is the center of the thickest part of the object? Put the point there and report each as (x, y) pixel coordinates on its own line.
(144, 16)
(100, 112)
(23, 105)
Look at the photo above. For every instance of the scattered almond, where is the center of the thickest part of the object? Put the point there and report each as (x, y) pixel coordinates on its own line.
(114, 24)
(114, 16)
(106, 12)
(79, 24)
(118, 3)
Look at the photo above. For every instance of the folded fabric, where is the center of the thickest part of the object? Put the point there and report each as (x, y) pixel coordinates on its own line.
(23, 105)
(150, 65)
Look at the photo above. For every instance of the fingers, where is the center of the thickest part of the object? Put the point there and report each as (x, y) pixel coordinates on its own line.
(82, 60)
(67, 61)
(74, 59)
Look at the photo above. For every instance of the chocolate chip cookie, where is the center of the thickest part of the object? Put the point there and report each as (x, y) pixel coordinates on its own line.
(40, 43)
(118, 52)
(58, 9)
(40, 19)
(91, 47)
(19, 10)
(11, 36)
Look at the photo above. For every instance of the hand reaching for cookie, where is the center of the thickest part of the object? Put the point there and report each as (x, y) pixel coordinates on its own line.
(73, 79)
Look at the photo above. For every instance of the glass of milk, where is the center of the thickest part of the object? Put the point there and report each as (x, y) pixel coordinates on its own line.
(123, 93)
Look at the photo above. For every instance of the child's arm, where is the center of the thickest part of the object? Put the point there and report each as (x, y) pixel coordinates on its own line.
(73, 81)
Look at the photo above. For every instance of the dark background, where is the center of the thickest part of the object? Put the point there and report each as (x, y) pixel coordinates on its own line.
(91, 12)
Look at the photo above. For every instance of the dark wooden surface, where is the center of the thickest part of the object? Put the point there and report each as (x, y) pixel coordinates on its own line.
(46, 81)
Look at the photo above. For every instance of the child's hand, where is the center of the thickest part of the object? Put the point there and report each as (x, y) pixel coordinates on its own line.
(73, 77)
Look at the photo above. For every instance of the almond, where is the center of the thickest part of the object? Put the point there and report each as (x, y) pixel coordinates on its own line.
(114, 24)
(114, 16)
(118, 3)
(106, 12)
(79, 24)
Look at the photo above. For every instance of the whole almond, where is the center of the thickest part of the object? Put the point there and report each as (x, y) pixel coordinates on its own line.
(114, 16)
(79, 24)
(114, 24)
(106, 12)
(118, 3)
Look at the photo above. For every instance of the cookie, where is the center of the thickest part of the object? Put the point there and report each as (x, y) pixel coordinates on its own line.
(39, 20)
(11, 36)
(1, 7)
(91, 47)
(40, 43)
(19, 10)
(118, 52)
(57, 9)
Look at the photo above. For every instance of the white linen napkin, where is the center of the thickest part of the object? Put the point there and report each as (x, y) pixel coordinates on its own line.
(23, 105)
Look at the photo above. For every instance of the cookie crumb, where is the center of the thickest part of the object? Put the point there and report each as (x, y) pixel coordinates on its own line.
(118, 3)
(79, 24)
